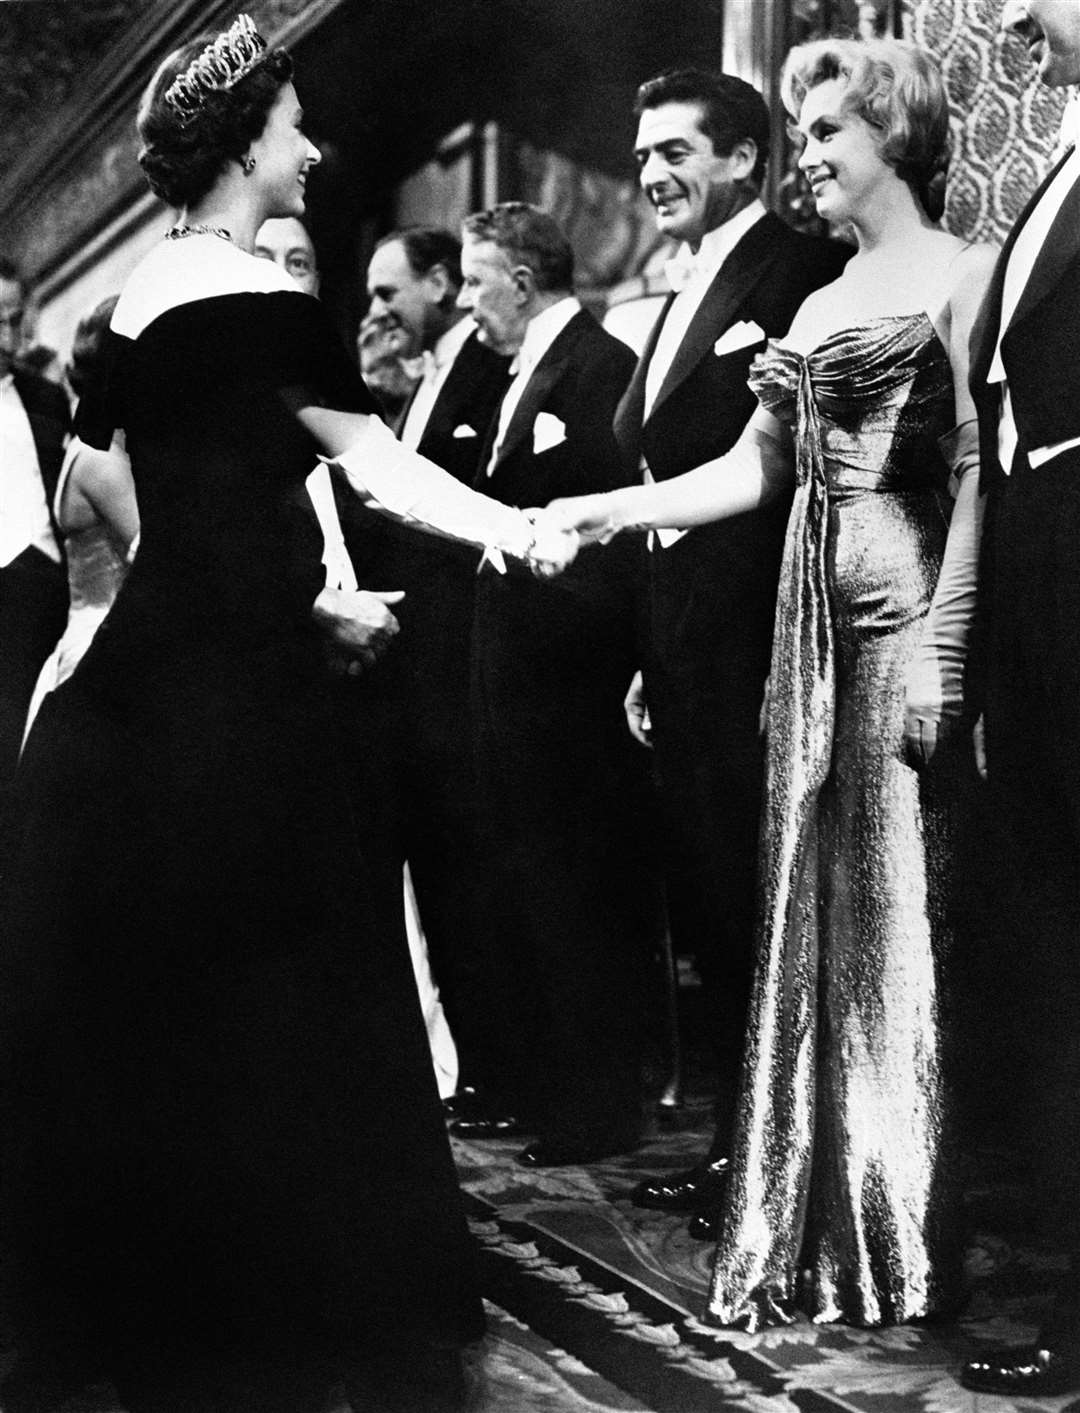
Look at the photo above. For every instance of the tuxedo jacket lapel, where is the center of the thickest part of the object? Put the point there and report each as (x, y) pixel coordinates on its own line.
(987, 328)
(397, 424)
(1059, 249)
(630, 412)
(737, 276)
(542, 379)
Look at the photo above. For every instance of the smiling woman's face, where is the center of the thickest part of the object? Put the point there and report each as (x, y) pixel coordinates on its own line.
(841, 155)
(283, 156)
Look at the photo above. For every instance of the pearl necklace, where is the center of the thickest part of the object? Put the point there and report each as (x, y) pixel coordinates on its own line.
(179, 232)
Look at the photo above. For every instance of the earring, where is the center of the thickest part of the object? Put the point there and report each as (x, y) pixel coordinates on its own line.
(248, 165)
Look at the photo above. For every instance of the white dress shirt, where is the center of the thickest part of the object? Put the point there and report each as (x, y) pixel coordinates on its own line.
(437, 367)
(540, 334)
(1022, 258)
(694, 272)
(24, 507)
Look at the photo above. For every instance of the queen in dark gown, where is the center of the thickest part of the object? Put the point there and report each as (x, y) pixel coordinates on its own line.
(227, 1183)
(838, 1201)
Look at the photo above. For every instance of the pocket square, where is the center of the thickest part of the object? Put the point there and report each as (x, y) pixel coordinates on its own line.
(548, 431)
(465, 431)
(740, 335)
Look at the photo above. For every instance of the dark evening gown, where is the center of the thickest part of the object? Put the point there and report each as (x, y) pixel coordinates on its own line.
(839, 1200)
(223, 1135)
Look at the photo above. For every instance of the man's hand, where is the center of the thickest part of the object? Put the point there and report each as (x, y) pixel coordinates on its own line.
(357, 625)
(637, 712)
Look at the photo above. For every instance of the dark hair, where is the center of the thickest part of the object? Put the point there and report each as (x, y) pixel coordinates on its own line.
(528, 236)
(183, 157)
(895, 87)
(731, 110)
(10, 271)
(428, 246)
(88, 346)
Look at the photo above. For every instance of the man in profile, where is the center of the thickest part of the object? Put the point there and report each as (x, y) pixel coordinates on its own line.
(551, 663)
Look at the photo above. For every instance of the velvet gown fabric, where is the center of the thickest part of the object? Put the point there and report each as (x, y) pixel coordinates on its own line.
(223, 1135)
(837, 1198)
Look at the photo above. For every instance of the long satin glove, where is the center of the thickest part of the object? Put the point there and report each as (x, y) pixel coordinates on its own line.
(935, 677)
(397, 482)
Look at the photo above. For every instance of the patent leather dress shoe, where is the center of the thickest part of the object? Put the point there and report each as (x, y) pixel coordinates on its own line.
(704, 1226)
(462, 1102)
(479, 1127)
(568, 1152)
(688, 1191)
(1032, 1371)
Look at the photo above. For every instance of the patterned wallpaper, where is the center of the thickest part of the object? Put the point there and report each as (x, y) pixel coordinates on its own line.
(1005, 123)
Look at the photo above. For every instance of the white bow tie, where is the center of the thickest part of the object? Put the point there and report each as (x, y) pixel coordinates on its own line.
(682, 269)
(422, 367)
(522, 363)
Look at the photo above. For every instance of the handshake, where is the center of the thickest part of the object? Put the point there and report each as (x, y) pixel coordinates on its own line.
(560, 528)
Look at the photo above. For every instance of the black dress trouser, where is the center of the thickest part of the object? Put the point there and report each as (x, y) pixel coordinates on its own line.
(1033, 748)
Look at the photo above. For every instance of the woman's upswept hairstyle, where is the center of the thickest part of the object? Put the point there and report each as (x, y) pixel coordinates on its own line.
(895, 87)
(183, 157)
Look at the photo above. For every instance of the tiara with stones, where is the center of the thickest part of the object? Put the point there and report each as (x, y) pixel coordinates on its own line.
(224, 62)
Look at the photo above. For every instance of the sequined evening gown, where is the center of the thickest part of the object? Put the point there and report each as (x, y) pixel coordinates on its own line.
(838, 1202)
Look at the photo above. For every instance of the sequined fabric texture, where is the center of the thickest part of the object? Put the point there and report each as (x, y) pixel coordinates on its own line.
(838, 1200)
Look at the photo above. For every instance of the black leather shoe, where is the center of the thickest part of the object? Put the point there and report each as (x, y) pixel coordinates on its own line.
(1030, 1371)
(463, 1103)
(704, 1226)
(688, 1191)
(566, 1152)
(482, 1126)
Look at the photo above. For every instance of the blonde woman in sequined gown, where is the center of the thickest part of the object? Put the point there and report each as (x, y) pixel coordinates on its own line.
(838, 1201)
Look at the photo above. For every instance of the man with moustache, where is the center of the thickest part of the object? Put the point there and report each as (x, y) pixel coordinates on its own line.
(1026, 381)
(551, 664)
(34, 424)
(413, 281)
(740, 274)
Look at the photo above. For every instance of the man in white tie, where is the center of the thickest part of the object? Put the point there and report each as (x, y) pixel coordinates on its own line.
(740, 274)
(422, 695)
(34, 424)
(1025, 376)
(551, 664)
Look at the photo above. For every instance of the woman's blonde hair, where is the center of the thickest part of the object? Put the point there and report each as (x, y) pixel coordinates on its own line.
(895, 87)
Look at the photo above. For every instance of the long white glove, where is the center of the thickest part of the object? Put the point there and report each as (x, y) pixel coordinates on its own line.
(935, 677)
(396, 481)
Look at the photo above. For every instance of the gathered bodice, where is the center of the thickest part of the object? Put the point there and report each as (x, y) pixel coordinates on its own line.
(870, 403)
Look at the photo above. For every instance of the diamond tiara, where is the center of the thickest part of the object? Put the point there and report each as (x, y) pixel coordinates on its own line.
(224, 62)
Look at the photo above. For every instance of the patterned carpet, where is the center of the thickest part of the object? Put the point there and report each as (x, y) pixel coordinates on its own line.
(615, 1290)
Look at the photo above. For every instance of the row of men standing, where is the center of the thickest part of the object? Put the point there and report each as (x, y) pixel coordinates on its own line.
(492, 740)
(519, 797)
